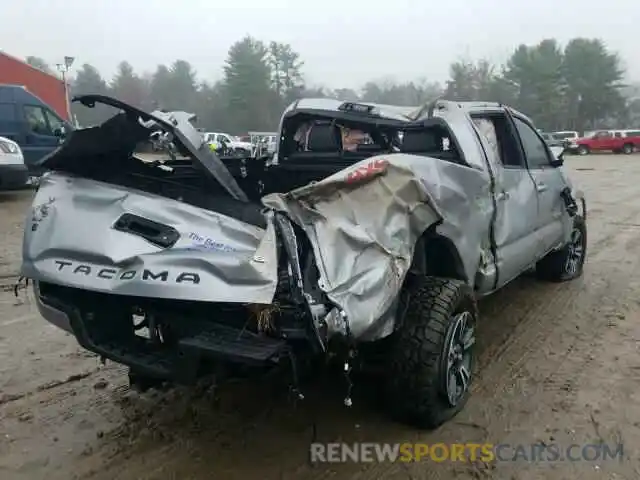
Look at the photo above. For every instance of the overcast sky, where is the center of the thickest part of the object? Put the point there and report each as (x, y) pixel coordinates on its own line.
(343, 42)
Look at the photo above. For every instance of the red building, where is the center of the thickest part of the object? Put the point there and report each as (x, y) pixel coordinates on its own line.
(49, 88)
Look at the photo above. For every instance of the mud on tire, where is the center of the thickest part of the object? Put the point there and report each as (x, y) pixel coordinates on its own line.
(557, 266)
(420, 349)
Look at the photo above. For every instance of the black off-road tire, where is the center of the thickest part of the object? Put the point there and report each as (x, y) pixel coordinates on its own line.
(553, 267)
(415, 392)
(627, 148)
(583, 150)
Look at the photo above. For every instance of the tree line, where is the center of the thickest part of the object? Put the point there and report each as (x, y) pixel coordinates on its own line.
(575, 87)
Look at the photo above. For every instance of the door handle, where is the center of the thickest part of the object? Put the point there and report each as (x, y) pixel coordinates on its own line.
(502, 196)
(541, 187)
(163, 236)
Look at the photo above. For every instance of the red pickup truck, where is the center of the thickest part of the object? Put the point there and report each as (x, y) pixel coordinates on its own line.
(617, 141)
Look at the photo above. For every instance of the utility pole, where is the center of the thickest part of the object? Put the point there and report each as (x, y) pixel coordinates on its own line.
(63, 68)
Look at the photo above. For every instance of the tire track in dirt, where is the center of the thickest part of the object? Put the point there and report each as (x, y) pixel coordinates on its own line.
(546, 327)
(525, 294)
(505, 372)
(517, 316)
(585, 297)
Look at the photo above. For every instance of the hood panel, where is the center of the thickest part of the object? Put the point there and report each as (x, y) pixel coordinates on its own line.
(70, 239)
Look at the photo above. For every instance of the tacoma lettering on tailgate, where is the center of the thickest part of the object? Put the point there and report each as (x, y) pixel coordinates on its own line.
(113, 274)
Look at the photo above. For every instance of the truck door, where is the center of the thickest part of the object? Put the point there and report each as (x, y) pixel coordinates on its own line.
(516, 202)
(602, 141)
(42, 134)
(549, 183)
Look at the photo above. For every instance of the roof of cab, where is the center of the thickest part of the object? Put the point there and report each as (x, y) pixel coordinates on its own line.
(333, 105)
(406, 113)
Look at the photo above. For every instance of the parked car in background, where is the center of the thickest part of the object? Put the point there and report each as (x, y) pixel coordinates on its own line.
(13, 172)
(631, 133)
(263, 142)
(34, 125)
(565, 134)
(617, 141)
(269, 144)
(552, 140)
(232, 142)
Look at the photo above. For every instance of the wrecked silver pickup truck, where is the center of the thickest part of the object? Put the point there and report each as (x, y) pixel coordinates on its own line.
(356, 251)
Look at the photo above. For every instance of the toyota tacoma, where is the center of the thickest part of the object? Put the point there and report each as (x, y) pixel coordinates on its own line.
(369, 236)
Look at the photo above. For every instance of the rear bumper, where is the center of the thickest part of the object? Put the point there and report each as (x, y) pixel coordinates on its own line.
(13, 177)
(51, 314)
(204, 344)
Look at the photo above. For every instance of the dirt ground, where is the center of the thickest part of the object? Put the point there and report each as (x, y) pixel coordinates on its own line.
(557, 364)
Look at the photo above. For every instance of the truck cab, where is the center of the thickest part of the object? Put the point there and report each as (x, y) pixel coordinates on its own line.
(31, 123)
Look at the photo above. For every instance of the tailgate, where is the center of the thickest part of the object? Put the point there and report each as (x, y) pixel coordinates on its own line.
(96, 236)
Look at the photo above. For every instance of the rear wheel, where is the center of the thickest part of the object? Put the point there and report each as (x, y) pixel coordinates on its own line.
(627, 148)
(432, 353)
(583, 150)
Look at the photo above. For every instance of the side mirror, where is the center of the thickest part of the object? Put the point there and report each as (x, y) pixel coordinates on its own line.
(558, 156)
(558, 162)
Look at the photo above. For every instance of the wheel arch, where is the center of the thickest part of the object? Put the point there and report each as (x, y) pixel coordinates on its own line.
(437, 256)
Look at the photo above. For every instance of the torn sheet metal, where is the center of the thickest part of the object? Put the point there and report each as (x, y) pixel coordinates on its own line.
(364, 221)
(70, 240)
(118, 137)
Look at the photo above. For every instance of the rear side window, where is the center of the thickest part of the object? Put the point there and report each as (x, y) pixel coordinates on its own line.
(603, 134)
(55, 123)
(495, 129)
(37, 120)
(534, 148)
(633, 133)
(563, 135)
(42, 121)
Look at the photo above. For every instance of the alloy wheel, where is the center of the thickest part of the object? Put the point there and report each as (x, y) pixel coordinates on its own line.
(575, 252)
(457, 357)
